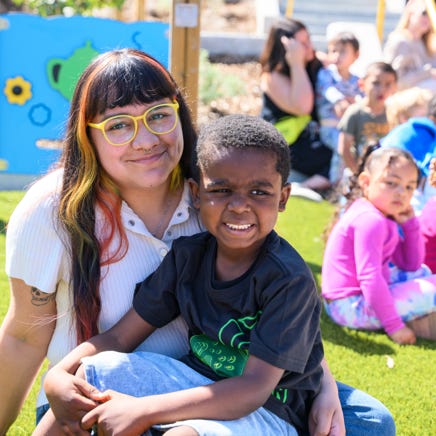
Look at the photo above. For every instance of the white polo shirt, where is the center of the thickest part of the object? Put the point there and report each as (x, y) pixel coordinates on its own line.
(36, 253)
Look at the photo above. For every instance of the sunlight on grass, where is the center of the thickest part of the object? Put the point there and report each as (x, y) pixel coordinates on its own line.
(355, 357)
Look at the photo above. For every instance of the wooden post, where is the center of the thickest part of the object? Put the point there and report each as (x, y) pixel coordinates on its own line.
(380, 19)
(185, 48)
(289, 8)
(140, 5)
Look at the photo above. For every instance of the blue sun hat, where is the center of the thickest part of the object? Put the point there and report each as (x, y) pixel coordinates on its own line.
(418, 136)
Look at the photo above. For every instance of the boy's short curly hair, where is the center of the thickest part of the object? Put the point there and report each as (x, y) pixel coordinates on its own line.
(242, 132)
(345, 38)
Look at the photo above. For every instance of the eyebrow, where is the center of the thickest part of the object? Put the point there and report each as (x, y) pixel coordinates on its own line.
(399, 177)
(221, 182)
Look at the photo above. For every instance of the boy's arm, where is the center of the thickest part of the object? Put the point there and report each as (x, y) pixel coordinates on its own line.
(345, 144)
(226, 399)
(69, 395)
(326, 416)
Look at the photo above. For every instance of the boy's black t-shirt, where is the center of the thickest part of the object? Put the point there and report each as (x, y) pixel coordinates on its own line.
(271, 312)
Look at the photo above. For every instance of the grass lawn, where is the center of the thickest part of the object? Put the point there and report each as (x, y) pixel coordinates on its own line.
(357, 358)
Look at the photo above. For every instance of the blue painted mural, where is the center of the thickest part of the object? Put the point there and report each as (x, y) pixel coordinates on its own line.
(41, 60)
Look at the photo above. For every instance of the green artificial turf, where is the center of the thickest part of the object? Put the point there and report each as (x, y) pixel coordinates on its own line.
(402, 377)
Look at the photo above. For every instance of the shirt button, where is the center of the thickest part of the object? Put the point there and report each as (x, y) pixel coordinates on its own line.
(179, 213)
(163, 252)
(169, 233)
(131, 222)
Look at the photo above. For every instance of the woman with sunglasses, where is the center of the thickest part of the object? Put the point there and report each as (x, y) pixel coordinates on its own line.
(101, 222)
(411, 47)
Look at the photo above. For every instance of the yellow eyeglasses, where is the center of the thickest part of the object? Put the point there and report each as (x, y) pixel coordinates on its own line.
(121, 129)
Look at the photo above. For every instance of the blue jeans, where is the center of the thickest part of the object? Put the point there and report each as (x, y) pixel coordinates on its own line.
(364, 415)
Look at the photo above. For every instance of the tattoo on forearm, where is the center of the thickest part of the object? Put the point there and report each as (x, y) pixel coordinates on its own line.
(41, 298)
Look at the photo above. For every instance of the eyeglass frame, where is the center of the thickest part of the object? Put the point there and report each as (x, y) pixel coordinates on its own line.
(100, 126)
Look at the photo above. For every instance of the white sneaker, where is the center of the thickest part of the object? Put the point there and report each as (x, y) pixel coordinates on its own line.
(301, 191)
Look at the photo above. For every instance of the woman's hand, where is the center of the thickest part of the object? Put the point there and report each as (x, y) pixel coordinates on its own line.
(120, 415)
(69, 397)
(295, 51)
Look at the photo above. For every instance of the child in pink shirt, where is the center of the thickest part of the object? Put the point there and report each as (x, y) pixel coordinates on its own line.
(428, 222)
(360, 287)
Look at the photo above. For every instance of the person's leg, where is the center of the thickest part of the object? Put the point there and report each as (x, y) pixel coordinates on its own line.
(363, 414)
(48, 426)
(41, 411)
(352, 312)
(397, 275)
(415, 298)
(142, 373)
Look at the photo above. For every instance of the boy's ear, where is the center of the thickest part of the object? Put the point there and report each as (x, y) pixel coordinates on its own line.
(195, 189)
(284, 196)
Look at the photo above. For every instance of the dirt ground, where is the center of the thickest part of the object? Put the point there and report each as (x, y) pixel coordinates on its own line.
(222, 16)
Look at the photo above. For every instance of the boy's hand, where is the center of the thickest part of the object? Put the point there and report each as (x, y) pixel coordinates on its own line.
(120, 415)
(404, 336)
(340, 107)
(326, 417)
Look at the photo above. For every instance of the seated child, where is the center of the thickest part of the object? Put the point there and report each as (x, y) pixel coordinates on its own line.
(336, 89)
(365, 122)
(402, 105)
(428, 223)
(379, 229)
(248, 298)
(418, 136)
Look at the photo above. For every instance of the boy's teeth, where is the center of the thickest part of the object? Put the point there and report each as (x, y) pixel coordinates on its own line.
(239, 227)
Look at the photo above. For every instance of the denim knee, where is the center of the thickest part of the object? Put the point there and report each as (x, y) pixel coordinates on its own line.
(364, 415)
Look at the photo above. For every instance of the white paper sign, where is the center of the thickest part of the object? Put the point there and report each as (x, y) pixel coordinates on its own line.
(186, 15)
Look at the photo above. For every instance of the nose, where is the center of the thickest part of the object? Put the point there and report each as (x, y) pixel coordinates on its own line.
(402, 190)
(144, 138)
(238, 203)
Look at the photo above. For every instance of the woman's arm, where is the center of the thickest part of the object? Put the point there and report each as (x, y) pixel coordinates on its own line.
(128, 415)
(24, 337)
(69, 395)
(294, 94)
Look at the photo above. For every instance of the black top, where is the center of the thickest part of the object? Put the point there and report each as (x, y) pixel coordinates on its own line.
(272, 312)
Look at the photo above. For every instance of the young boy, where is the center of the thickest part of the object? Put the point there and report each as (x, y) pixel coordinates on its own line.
(365, 121)
(336, 89)
(248, 298)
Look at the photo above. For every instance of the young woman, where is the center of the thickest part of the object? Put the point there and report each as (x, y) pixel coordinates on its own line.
(288, 80)
(411, 48)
